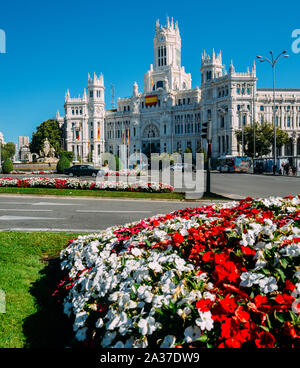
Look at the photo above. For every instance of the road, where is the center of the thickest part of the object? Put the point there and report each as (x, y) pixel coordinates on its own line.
(254, 185)
(32, 213)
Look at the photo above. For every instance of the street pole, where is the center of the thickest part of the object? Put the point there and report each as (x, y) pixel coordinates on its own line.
(209, 151)
(273, 63)
(274, 116)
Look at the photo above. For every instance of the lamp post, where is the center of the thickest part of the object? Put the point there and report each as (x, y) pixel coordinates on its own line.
(272, 61)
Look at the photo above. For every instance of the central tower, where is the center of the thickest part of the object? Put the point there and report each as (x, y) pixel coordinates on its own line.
(168, 74)
(167, 45)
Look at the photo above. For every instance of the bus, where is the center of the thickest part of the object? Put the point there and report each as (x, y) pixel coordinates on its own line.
(234, 164)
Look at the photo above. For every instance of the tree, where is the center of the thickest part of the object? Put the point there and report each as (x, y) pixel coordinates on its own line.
(8, 150)
(48, 129)
(7, 166)
(68, 154)
(264, 138)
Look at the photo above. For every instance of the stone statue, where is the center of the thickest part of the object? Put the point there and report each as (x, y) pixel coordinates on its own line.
(47, 154)
(46, 148)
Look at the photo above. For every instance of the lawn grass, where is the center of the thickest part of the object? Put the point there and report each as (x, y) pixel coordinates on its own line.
(103, 193)
(29, 272)
(90, 193)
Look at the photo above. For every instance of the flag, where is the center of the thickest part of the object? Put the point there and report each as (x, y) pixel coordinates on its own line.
(151, 80)
(128, 137)
(151, 100)
(79, 132)
(98, 131)
(123, 138)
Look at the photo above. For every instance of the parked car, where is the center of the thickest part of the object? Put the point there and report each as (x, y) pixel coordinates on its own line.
(183, 167)
(83, 170)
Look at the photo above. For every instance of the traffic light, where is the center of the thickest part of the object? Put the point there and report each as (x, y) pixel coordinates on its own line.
(206, 130)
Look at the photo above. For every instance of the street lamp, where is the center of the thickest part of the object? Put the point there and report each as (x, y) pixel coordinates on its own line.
(273, 62)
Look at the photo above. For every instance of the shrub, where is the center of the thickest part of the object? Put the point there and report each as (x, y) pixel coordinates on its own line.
(62, 164)
(7, 166)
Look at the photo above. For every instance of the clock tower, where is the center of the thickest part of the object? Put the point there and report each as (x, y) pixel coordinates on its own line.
(168, 74)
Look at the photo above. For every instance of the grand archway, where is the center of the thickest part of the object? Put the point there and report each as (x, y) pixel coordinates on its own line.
(150, 140)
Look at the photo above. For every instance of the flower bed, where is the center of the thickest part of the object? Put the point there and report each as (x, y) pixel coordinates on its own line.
(40, 172)
(223, 275)
(131, 172)
(71, 183)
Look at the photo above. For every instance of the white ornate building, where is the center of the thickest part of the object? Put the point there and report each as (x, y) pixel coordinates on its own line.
(2, 138)
(168, 114)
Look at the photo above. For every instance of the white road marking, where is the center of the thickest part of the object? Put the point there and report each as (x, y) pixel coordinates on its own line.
(29, 229)
(54, 204)
(108, 211)
(23, 210)
(12, 218)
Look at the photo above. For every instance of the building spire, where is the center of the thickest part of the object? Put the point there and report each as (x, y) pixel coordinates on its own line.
(231, 68)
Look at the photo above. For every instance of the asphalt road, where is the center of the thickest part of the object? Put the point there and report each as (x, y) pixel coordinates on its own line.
(254, 185)
(33, 213)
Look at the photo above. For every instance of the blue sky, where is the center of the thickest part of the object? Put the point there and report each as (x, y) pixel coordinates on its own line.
(52, 46)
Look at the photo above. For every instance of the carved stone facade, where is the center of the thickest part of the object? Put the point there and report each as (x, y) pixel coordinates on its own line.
(168, 114)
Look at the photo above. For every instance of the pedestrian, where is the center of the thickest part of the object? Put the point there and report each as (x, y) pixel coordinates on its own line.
(286, 168)
(294, 170)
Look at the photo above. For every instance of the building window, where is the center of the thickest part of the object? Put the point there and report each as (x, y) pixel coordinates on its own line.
(91, 94)
(288, 122)
(165, 129)
(160, 84)
(261, 108)
(73, 112)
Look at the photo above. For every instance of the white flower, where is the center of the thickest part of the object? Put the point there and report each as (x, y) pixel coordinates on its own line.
(268, 284)
(250, 278)
(99, 323)
(108, 338)
(192, 333)
(136, 252)
(81, 334)
(155, 266)
(291, 250)
(79, 320)
(168, 342)
(205, 322)
(147, 325)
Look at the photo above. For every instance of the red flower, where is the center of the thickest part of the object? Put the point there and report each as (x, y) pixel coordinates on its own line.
(178, 239)
(289, 285)
(265, 340)
(204, 305)
(207, 256)
(242, 315)
(285, 302)
(228, 304)
(248, 250)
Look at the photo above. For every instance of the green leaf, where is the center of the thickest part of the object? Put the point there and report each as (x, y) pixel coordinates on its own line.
(202, 338)
(284, 262)
(265, 328)
(281, 274)
(279, 317)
